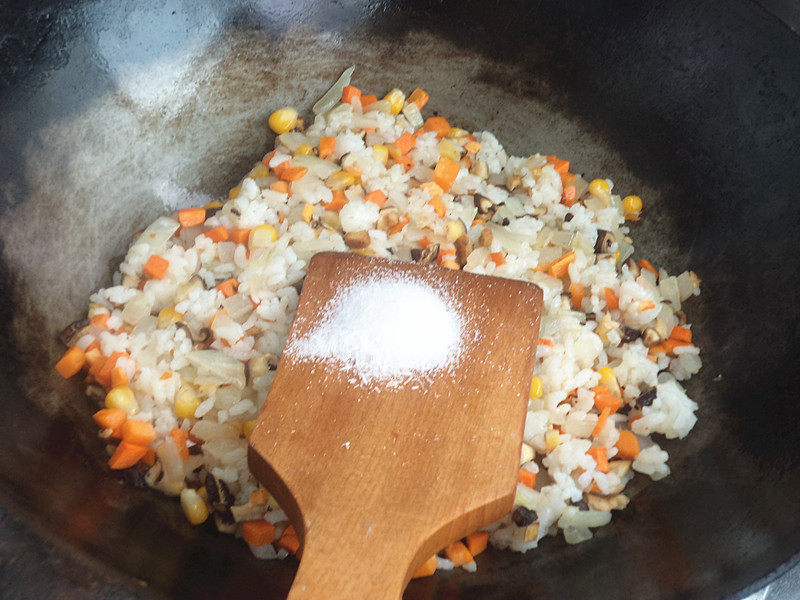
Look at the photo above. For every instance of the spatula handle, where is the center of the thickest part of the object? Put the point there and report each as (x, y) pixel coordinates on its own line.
(350, 566)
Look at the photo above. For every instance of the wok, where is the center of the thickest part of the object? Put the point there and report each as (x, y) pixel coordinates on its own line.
(110, 110)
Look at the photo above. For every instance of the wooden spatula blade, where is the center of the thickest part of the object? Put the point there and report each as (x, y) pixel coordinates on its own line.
(376, 477)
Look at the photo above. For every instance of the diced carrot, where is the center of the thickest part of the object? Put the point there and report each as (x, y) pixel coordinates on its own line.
(424, 242)
(497, 258)
(228, 287)
(293, 173)
(259, 497)
(545, 342)
(166, 375)
(671, 344)
(599, 455)
(560, 266)
(472, 147)
(367, 99)
(601, 420)
(427, 568)
(118, 376)
(645, 264)
(398, 227)
(567, 178)
(682, 334)
(126, 455)
(612, 302)
(138, 432)
(434, 189)
(110, 418)
(446, 172)
(606, 400)
(258, 533)
(405, 161)
(577, 292)
(93, 357)
(376, 197)
(476, 543)
(337, 203)
(419, 97)
(349, 92)
(218, 234)
(103, 374)
(658, 349)
(526, 478)
(438, 207)
(646, 305)
(100, 320)
(189, 217)
(559, 164)
(280, 168)
(627, 445)
(326, 146)
(149, 457)
(180, 437)
(437, 124)
(156, 266)
(568, 196)
(240, 236)
(92, 346)
(266, 160)
(281, 187)
(458, 554)
(289, 540)
(405, 143)
(72, 362)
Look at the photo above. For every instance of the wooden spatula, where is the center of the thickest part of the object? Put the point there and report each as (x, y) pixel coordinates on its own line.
(377, 478)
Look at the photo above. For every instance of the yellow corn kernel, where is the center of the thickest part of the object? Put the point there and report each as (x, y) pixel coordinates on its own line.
(600, 189)
(381, 153)
(215, 205)
(234, 192)
(447, 150)
(261, 236)
(186, 402)
(631, 204)
(122, 397)
(455, 229)
(536, 387)
(308, 212)
(551, 440)
(283, 120)
(609, 379)
(457, 132)
(167, 316)
(340, 180)
(194, 507)
(303, 150)
(396, 98)
(617, 255)
(259, 171)
(247, 428)
(394, 151)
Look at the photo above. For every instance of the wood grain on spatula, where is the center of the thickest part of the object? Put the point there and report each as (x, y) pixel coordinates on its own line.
(377, 478)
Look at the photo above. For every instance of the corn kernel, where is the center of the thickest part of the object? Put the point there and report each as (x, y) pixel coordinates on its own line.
(167, 316)
(186, 402)
(526, 454)
(447, 150)
(396, 98)
(394, 151)
(600, 189)
(308, 212)
(609, 379)
(234, 192)
(455, 229)
(122, 397)
(617, 255)
(457, 132)
(631, 204)
(259, 171)
(261, 236)
(247, 428)
(215, 205)
(304, 150)
(340, 180)
(195, 509)
(551, 440)
(381, 153)
(536, 387)
(283, 120)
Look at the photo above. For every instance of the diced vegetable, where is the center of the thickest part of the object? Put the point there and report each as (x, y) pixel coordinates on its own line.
(258, 533)
(627, 445)
(189, 217)
(419, 97)
(126, 455)
(446, 172)
(156, 267)
(71, 363)
(599, 455)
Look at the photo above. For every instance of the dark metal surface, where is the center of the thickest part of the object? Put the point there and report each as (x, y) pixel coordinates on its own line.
(110, 110)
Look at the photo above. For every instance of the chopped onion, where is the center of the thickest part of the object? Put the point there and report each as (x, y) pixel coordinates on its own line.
(292, 140)
(158, 233)
(669, 290)
(215, 368)
(685, 287)
(209, 430)
(383, 106)
(136, 309)
(317, 166)
(411, 112)
(238, 306)
(334, 94)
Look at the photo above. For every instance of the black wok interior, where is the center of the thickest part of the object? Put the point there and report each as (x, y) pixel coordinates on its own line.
(109, 108)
